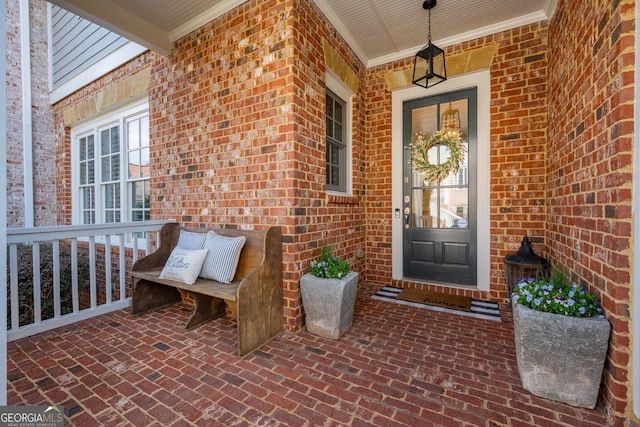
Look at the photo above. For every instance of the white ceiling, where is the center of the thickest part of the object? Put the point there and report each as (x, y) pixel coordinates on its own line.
(378, 31)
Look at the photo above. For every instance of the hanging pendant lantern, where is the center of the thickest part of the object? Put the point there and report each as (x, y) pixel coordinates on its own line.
(450, 121)
(428, 65)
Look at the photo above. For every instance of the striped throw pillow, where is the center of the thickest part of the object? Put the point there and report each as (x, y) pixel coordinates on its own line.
(222, 257)
(191, 240)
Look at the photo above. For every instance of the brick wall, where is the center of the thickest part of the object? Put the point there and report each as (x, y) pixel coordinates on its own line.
(44, 176)
(15, 196)
(591, 96)
(323, 219)
(237, 126)
(42, 119)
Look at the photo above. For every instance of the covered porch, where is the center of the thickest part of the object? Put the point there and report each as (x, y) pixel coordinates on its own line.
(236, 107)
(397, 365)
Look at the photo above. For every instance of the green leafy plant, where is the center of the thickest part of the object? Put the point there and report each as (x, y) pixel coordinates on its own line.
(328, 266)
(557, 295)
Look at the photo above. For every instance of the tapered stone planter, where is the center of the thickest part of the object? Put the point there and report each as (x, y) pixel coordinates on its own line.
(329, 304)
(560, 357)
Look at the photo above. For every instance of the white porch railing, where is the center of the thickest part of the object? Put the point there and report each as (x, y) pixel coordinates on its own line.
(107, 251)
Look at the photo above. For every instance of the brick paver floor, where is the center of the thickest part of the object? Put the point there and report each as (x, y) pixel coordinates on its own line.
(396, 366)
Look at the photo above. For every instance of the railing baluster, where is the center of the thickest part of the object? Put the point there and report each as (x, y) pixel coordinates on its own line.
(74, 276)
(147, 250)
(56, 279)
(15, 292)
(134, 238)
(37, 292)
(123, 268)
(107, 268)
(92, 271)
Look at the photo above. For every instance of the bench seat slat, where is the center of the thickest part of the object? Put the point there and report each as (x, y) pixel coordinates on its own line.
(226, 291)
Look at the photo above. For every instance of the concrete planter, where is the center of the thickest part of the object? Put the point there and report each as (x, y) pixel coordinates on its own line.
(329, 303)
(559, 357)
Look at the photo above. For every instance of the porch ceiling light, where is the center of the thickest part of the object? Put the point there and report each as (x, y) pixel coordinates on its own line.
(428, 65)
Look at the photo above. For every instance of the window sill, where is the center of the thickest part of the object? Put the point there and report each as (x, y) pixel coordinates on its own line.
(341, 199)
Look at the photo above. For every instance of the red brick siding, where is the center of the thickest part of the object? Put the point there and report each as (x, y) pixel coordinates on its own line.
(591, 95)
(321, 219)
(518, 146)
(378, 173)
(237, 124)
(15, 173)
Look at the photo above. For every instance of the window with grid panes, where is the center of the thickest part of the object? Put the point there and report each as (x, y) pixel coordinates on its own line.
(336, 143)
(112, 168)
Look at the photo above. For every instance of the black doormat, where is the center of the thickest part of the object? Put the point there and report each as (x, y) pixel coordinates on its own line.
(479, 309)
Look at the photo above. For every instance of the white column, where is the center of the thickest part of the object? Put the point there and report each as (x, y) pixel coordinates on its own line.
(3, 207)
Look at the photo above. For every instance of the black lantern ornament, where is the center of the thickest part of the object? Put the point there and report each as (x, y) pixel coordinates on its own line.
(524, 264)
(428, 65)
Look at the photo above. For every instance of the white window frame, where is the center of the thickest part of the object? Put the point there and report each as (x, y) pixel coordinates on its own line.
(93, 126)
(344, 92)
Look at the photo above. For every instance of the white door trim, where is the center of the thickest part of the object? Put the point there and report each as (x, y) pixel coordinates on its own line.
(482, 81)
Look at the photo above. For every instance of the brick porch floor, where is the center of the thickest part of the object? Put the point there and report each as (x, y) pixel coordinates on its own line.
(396, 366)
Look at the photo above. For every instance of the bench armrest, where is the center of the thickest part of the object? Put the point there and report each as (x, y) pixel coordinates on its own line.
(169, 235)
(260, 297)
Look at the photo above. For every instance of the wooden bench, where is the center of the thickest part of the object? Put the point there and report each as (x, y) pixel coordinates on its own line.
(255, 292)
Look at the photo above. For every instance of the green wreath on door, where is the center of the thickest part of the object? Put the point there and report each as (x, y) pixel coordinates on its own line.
(420, 154)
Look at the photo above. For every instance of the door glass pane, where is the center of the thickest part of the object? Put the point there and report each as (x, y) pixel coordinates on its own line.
(425, 208)
(454, 207)
(445, 203)
(450, 210)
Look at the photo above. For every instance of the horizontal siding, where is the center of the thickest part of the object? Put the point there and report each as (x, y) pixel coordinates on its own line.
(77, 43)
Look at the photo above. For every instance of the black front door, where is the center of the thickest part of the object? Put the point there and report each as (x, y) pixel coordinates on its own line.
(439, 236)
